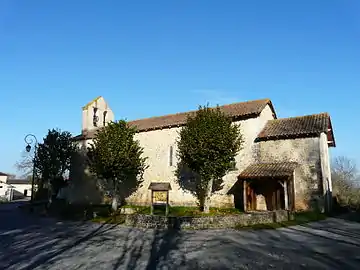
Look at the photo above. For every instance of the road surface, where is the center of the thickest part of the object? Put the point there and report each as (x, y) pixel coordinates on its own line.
(27, 242)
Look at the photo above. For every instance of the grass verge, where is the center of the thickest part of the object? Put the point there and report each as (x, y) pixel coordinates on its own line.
(183, 211)
(175, 211)
(114, 219)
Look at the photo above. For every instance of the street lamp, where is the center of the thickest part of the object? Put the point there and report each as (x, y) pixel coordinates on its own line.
(28, 148)
(30, 139)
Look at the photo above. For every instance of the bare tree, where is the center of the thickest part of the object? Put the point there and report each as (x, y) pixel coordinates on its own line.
(344, 177)
(345, 168)
(25, 164)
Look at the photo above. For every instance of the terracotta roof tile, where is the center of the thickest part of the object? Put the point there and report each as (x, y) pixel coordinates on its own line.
(237, 110)
(233, 110)
(261, 170)
(296, 127)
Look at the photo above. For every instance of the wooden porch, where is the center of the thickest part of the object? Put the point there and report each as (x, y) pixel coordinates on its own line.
(268, 194)
(268, 187)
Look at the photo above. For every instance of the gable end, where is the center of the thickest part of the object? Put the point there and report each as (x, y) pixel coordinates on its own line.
(298, 127)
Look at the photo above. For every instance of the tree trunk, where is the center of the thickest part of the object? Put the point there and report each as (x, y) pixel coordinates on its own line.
(49, 193)
(115, 202)
(207, 196)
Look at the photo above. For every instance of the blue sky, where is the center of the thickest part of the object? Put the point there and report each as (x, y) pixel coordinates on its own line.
(152, 58)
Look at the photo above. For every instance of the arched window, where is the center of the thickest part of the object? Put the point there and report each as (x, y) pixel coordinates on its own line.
(171, 156)
(95, 117)
(104, 118)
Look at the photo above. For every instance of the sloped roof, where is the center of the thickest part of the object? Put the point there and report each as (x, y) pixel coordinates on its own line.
(18, 181)
(160, 186)
(241, 109)
(261, 170)
(238, 110)
(298, 127)
(3, 174)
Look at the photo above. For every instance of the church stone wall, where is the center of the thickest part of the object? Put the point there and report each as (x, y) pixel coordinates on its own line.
(250, 129)
(308, 178)
(83, 187)
(156, 146)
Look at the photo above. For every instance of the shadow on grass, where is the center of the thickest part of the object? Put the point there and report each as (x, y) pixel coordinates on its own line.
(182, 211)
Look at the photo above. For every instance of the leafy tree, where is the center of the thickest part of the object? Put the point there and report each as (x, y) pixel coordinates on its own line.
(116, 158)
(207, 146)
(53, 159)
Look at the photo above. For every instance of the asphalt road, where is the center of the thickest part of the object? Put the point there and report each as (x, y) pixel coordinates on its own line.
(27, 242)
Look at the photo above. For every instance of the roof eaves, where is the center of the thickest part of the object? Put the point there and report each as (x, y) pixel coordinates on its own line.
(90, 103)
(268, 170)
(269, 102)
(287, 136)
(331, 136)
(254, 112)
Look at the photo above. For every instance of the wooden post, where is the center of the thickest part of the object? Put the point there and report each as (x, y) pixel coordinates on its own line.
(286, 195)
(152, 202)
(160, 187)
(244, 195)
(167, 203)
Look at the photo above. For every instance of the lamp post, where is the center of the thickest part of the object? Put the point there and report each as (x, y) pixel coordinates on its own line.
(30, 139)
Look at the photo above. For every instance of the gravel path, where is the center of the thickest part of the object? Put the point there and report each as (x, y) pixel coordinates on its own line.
(27, 242)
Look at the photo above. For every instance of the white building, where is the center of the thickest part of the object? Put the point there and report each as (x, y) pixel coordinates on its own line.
(21, 188)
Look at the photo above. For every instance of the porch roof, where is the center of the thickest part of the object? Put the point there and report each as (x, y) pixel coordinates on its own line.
(298, 127)
(264, 170)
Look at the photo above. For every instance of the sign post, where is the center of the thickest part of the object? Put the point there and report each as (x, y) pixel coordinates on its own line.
(160, 195)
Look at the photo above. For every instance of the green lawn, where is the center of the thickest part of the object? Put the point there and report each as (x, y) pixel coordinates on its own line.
(182, 211)
(115, 219)
(176, 211)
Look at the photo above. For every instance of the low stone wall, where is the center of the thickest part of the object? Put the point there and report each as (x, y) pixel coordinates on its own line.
(228, 221)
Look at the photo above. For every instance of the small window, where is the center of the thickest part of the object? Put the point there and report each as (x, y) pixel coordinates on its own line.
(104, 117)
(95, 117)
(171, 154)
(233, 166)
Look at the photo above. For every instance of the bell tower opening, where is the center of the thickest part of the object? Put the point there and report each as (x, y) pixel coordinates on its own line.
(96, 114)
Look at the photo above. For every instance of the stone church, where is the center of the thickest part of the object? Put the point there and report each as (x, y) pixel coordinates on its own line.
(284, 163)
